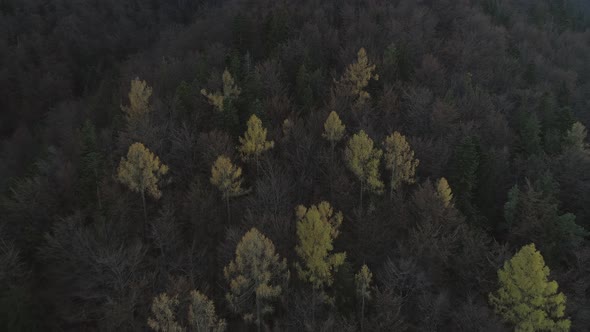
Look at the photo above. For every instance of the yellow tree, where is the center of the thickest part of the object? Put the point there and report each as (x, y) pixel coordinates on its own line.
(333, 129)
(444, 192)
(357, 76)
(363, 281)
(526, 298)
(399, 159)
(255, 277)
(363, 160)
(201, 314)
(140, 171)
(139, 102)
(254, 142)
(228, 179)
(163, 317)
(317, 227)
(230, 91)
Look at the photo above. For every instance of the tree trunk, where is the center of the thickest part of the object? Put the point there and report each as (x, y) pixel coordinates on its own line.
(392, 181)
(257, 313)
(363, 314)
(362, 187)
(313, 307)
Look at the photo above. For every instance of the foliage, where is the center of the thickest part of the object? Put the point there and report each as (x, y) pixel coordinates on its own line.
(357, 76)
(230, 92)
(333, 128)
(256, 277)
(139, 102)
(399, 159)
(227, 177)
(164, 317)
(444, 191)
(317, 227)
(363, 160)
(526, 298)
(141, 170)
(254, 142)
(201, 314)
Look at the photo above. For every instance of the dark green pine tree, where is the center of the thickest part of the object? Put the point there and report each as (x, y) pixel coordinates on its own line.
(464, 174)
(91, 167)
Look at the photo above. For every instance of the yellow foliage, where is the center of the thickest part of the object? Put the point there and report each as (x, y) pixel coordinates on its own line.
(255, 276)
(230, 91)
(139, 97)
(363, 160)
(141, 170)
(444, 191)
(317, 227)
(526, 297)
(254, 142)
(163, 316)
(226, 177)
(399, 159)
(357, 77)
(201, 314)
(333, 128)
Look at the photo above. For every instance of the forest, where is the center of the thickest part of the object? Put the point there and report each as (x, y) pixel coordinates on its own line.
(294, 165)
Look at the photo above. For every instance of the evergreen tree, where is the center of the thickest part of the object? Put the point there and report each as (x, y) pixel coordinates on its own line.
(227, 178)
(526, 298)
(256, 277)
(363, 281)
(399, 159)
(357, 76)
(91, 160)
(363, 160)
(254, 142)
(201, 314)
(140, 171)
(465, 173)
(163, 317)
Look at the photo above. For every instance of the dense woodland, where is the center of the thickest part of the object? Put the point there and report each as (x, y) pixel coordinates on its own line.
(294, 165)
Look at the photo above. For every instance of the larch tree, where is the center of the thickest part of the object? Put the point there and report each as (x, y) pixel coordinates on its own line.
(526, 298)
(139, 103)
(363, 160)
(333, 129)
(362, 282)
(576, 136)
(444, 192)
(230, 92)
(317, 227)
(140, 171)
(399, 159)
(357, 76)
(256, 277)
(163, 314)
(201, 314)
(254, 142)
(228, 179)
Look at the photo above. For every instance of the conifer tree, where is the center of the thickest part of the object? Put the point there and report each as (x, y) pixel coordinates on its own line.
(399, 159)
(201, 314)
(256, 277)
(230, 92)
(254, 142)
(363, 281)
(139, 102)
(91, 161)
(443, 190)
(140, 171)
(163, 318)
(317, 227)
(357, 76)
(526, 298)
(363, 160)
(227, 178)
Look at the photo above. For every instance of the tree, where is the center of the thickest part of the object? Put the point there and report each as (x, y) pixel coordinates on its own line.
(576, 136)
(227, 178)
(255, 277)
(443, 190)
(91, 163)
(363, 289)
(526, 298)
(363, 161)
(465, 173)
(139, 102)
(333, 129)
(140, 172)
(164, 314)
(201, 314)
(399, 159)
(317, 227)
(230, 92)
(254, 142)
(357, 76)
